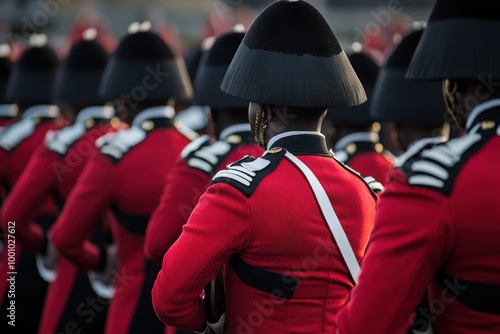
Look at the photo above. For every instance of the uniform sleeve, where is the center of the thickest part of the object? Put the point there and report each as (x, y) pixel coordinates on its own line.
(183, 188)
(217, 228)
(84, 209)
(412, 238)
(36, 184)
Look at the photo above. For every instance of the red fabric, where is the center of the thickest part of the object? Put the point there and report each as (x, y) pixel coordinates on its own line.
(419, 231)
(279, 228)
(183, 189)
(12, 164)
(371, 164)
(134, 185)
(46, 175)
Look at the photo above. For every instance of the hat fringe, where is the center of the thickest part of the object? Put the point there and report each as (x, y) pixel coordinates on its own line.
(292, 80)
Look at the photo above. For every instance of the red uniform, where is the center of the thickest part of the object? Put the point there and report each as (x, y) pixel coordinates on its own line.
(189, 179)
(51, 173)
(363, 152)
(437, 231)
(17, 144)
(261, 215)
(126, 176)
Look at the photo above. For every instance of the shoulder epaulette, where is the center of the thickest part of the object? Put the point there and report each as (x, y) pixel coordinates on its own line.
(246, 173)
(15, 133)
(436, 165)
(122, 142)
(369, 181)
(185, 131)
(207, 157)
(195, 145)
(60, 141)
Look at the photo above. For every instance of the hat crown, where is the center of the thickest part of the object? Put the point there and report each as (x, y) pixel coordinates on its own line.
(365, 67)
(87, 55)
(401, 56)
(42, 58)
(143, 45)
(476, 9)
(297, 29)
(223, 49)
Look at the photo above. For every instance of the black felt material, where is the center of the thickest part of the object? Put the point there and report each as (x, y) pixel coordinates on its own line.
(223, 49)
(477, 9)
(295, 28)
(143, 45)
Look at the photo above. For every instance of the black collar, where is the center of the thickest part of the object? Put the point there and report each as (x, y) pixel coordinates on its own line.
(303, 143)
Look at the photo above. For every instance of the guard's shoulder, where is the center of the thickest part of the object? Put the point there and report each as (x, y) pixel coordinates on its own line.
(436, 165)
(207, 156)
(15, 133)
(185, 131)
(247, 173)
(373, 185)
(60, 141)
(115, 147)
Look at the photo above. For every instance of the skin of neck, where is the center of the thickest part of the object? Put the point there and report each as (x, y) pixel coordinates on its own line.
(223, 118)
(280, 120)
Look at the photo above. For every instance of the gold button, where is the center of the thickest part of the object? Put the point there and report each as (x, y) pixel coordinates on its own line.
(486, 125)
(89, 123)
(275, 150)
(379, 148)
(351, 148)
(147, 125)
(233, 139)
(115, 122)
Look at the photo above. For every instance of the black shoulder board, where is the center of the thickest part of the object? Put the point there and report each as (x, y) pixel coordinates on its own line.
(246, 173)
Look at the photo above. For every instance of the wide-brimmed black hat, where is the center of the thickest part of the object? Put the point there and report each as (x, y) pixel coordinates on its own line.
(291, 57)
(34, 74)
(460, 42)
(144, 68)
(5, 70)
(367, 70)
(79, 77)
(401, 100)
(212, 69)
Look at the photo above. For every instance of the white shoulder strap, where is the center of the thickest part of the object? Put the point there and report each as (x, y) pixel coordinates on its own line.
(330, 217)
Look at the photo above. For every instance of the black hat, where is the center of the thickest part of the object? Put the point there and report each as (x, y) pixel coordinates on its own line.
(5, 70)
(212, 70)
(34, 74)
(145, 68)
(78, 79)
(367, 70)
(460, 42)
(291, 57)
(400, 100)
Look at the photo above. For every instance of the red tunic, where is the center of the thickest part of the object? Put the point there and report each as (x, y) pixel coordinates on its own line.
(126, 175)
(51, 173)
(271, 220)
(189, 179)
(17, 144)
(439, 213)
(363, 152)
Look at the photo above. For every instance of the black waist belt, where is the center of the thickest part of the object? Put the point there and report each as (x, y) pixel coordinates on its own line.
(279, 285)
(477, 296)
(132, 222)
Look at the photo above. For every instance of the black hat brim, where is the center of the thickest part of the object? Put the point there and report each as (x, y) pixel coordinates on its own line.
(400, 100)
(206, 93)
(275, 78)
(358, 115)
(31, 86)
(79, 88)
(458, 48)
(149, 80)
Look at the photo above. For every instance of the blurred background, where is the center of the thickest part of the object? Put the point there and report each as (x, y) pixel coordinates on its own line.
(377, 24)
